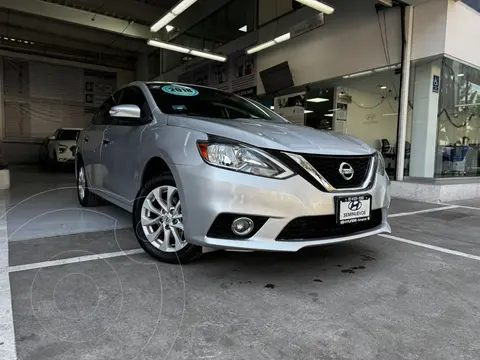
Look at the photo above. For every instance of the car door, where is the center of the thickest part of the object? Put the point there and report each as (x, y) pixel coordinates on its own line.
(121, 146)
(91, 144)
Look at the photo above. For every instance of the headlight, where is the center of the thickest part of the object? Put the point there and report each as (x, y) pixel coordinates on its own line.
(62, 149)
(380, 164)
(243, 159)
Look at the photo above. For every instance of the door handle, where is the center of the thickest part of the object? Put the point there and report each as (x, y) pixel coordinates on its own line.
(85, 139)
(106, 141)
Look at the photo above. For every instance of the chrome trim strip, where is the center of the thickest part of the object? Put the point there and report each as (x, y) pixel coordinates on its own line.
(300, 160)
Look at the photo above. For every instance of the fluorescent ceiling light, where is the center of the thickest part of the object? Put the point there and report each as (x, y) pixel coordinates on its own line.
(244, 28)
(168, 46)
(268, 44)
(282, 38)
(328, 115)
(272, 107)
(383, 87)
(386, 2)
(172, 14)
(318, 5)
(169, 28)
(185, 50)
(208, 55)
(460, 75)
(307, 111)
(317, 100)
(358, 74)
(385, 68)
(392, 114)
(334, 109)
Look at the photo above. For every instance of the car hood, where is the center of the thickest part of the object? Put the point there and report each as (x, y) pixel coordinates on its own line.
(276, 135)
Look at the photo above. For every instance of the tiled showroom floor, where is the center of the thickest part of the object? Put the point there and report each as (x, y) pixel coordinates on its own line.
(412, 295)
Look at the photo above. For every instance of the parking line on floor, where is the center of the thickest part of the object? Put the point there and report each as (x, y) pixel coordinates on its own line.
(424, 211)
(7, 334)
(73, 260)
(431, 247)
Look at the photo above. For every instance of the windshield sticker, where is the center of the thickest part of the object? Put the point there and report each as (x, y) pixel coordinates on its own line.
(179, 90)
(179, 107)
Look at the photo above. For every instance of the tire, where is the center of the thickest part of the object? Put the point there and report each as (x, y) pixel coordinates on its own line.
(159, 233)
(87, 198)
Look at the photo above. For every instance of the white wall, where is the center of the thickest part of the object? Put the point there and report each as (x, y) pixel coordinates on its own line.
(349, 42)
(429, 29)
(373, 125)
(463, 31)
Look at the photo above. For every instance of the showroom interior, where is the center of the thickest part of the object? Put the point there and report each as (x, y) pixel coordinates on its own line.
(400, 75)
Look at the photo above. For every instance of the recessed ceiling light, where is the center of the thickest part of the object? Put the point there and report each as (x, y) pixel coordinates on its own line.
(272, 107)
(317, 100)
(383, 87)
(328, 115)
(244, 28)
(307, 111)
(460, 75)
(169, 28)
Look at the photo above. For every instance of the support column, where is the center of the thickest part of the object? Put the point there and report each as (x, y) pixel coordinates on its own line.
(402, 123)
(425, 120)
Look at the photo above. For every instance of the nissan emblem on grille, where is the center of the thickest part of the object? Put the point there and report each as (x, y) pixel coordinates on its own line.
(355, 205)
(346, 170)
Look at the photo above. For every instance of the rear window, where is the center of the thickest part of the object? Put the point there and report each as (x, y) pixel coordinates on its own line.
(68, 134)
(205, 102)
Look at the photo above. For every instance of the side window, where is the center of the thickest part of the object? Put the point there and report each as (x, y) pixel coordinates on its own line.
(102, 117)
(132, 95)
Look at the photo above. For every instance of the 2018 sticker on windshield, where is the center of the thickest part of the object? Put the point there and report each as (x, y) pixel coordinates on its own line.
(179, 90)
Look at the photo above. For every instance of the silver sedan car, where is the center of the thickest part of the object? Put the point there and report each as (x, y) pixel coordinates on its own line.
(199, 167)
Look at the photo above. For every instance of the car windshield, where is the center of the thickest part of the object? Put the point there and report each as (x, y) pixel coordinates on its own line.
(191, 100)
(67, 134)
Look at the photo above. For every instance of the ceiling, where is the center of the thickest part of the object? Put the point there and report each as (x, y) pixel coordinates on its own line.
(107, 32)
(143, 12)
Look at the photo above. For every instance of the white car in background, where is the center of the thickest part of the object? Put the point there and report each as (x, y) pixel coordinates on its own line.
(59, 148)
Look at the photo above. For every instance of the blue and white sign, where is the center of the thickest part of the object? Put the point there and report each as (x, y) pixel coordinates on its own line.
(179, 90)
(436, 83)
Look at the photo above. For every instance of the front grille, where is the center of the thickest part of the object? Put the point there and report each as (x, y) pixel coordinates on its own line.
(329, 166)
(222, 226)
(321, 227)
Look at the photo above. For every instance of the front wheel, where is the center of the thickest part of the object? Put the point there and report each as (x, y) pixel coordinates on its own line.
(85, 196)
(158, 222)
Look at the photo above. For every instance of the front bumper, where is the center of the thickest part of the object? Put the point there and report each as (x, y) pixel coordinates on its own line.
(207, 191)
(66, 157)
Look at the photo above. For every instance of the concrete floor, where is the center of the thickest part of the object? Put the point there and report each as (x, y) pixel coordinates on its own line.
(411, 296)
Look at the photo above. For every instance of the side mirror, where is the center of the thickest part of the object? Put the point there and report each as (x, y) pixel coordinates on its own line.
(51, 138)
(125, 111)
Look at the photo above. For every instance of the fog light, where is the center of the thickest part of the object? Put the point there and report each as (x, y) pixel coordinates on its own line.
(242, 226)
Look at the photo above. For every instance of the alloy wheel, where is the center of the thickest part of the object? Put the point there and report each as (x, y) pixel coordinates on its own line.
(162, 219)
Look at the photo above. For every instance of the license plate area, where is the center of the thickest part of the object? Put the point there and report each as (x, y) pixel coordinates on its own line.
(353, 209)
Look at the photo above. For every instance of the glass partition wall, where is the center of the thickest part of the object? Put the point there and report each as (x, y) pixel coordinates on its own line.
(458, 136)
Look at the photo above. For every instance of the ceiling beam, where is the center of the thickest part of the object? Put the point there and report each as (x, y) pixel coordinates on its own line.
(79, 17)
